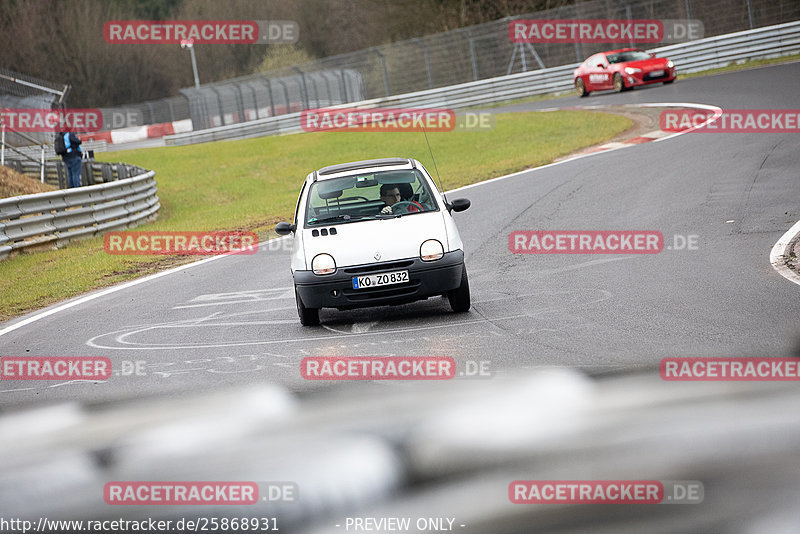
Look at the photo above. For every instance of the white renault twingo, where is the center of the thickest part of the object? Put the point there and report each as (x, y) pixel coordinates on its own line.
(374, 233)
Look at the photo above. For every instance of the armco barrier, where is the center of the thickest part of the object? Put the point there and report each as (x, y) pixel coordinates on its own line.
(771, 41)
(92, 172)
(58, 217)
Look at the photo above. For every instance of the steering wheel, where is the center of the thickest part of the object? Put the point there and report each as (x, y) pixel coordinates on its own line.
(407, 206)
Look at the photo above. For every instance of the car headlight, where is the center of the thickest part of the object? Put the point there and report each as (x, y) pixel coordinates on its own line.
(323, 264)
(431, 250)
(632, 70)
(670, 64)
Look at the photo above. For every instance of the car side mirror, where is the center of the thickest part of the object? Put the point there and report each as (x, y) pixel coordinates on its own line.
(459, 204)
(284, 228)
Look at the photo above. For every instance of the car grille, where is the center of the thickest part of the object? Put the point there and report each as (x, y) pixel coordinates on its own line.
(399, 290)
(647, 77)
(387, 266)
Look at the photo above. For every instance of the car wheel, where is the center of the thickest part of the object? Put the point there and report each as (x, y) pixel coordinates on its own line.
(308, 316)
(619, 83)
(459, 297)
(580, 88)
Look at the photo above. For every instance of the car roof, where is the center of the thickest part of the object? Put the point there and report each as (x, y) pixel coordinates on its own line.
(329, 171)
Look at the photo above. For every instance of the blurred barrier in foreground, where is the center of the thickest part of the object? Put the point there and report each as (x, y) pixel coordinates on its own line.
(57, 217)
(426, 450)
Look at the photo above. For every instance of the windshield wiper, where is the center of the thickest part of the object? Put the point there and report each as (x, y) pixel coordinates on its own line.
(344, 217)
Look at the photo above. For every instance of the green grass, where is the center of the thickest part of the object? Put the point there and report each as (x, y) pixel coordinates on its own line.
(253, 183)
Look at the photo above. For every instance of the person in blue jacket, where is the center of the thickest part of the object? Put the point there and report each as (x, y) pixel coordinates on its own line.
(72, 157)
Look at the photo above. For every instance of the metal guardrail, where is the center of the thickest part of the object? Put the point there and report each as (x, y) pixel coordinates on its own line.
(20, 158)
(50, 153)
(92, 172)
(58, 217)
(771, 41)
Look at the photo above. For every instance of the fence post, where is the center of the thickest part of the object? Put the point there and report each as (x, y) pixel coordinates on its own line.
(62, 182)
(271, 100)
(471, 54)
(385, 72)
(344, 87)
(255, 98)
(327, 87)
(417, 41)
(219, 105)
(285, 96)
(239, 102)
(314, 89)
(304, 91)
(41, 172)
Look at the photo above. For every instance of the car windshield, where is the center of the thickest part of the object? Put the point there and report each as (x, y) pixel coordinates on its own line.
(367, 196)
(632, 55)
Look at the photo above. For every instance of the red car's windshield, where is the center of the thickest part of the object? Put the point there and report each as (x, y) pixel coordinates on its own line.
(622, 57)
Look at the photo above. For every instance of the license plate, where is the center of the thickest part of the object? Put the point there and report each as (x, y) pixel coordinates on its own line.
(656, 73)
(377, 280)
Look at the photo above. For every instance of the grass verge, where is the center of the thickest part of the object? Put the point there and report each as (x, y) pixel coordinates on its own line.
(251, 184)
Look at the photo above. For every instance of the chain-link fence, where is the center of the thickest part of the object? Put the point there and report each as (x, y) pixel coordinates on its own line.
(458, 56)
(485, 51)
(20, 91)
(453, 57)
(260, 96)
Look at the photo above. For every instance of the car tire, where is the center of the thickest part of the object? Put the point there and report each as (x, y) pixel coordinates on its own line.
(308, 316)
(459, 297)
(580, 88)
(619, 83)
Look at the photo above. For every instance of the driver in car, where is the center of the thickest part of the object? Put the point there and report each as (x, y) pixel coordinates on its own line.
(391, 195)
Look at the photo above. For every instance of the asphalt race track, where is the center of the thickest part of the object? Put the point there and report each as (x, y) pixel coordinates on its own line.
(232, 320)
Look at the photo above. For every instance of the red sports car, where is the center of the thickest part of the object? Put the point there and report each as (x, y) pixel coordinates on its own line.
(621, 70)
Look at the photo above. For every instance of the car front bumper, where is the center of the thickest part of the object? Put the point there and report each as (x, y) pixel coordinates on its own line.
(426, 279)
(635, 80)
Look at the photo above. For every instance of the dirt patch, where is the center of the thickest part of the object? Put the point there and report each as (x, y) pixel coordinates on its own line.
(644, 120)
(149, 267)
(13, 184)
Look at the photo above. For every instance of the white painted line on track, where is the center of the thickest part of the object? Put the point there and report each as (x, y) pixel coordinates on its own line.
(777, 254)
(81, 300)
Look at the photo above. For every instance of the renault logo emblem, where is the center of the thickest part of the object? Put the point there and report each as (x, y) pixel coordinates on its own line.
(377, 256)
